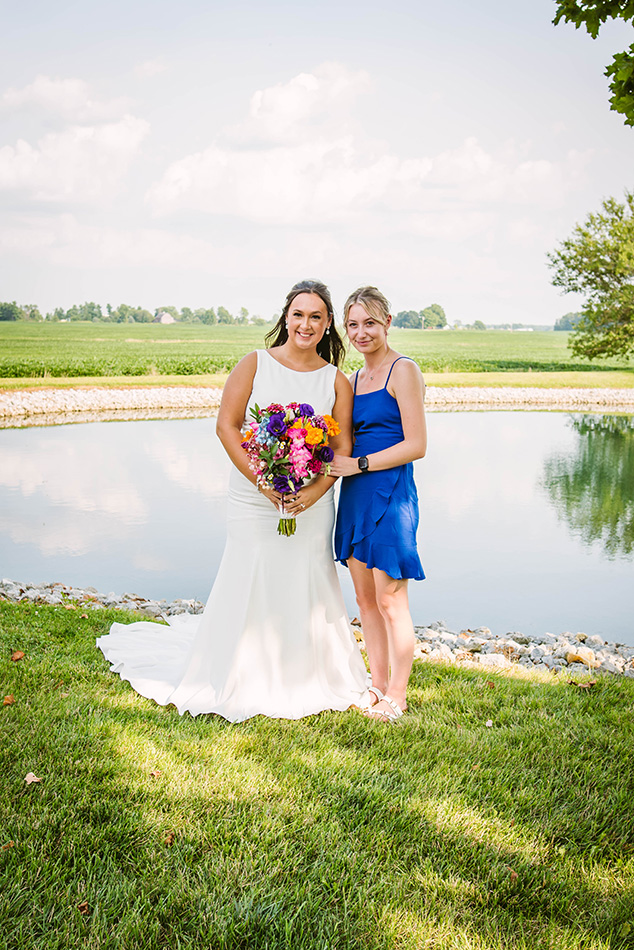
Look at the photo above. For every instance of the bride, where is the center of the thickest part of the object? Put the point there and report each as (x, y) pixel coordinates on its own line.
(274, 637)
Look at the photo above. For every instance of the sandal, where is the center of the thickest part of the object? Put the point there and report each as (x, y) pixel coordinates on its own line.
(377, 692)
(385, 715)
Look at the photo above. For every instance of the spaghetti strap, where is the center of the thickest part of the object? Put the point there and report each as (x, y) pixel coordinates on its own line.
(356, 376)
(391, 368)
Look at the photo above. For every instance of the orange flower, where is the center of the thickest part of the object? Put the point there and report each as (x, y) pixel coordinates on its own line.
(313, 435)
(333, 427)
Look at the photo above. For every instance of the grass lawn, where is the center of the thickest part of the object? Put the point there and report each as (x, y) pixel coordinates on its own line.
(149, 830)
(86, 351)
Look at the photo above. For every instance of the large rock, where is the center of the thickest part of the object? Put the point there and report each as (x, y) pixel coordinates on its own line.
(494, 659)
(582, 654)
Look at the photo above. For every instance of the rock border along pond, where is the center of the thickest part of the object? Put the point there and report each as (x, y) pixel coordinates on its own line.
(568, 653)
(92, 404)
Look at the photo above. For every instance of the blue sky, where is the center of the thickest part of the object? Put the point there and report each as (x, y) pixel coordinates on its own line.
(199, 154)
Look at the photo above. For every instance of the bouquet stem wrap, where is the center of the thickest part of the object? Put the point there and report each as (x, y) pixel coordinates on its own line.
(287, 525)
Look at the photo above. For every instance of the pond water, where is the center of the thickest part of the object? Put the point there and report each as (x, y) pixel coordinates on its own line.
(527, 519)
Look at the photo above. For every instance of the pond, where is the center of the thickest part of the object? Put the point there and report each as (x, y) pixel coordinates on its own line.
(527, 519)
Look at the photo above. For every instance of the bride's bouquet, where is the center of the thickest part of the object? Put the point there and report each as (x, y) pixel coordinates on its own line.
(287, 445)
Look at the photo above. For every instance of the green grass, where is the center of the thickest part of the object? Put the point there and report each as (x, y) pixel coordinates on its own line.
(76, 350)
(329, 833)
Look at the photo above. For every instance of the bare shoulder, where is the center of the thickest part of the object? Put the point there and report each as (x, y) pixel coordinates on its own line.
(407, 371)
(343, 382)
(241, 377)
(245, 367)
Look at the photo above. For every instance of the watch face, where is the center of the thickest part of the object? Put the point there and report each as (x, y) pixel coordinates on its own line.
(363, 463)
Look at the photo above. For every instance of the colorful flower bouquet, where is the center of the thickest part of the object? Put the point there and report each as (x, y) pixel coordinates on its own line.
(287, 445)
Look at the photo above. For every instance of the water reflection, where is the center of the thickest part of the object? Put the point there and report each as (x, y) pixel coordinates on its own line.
(592, 487)
(141, 506)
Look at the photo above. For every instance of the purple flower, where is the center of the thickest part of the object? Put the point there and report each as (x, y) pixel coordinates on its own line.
(281, 484)
(305, 409)
(276, 424)
(326, 454)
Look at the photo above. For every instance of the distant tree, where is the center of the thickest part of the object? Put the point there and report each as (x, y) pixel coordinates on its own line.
(123, 313)
(142, 316)
(56, 315)
(90, 311)
(258, 321)
(10, 311)
(568, 322)
(31, 311)
(243, 316)
(224, 316)
(593, 14)
(207, 316)
(186, 314)
(478, 325)
(433, 317)
(408, 319)
(598, 261)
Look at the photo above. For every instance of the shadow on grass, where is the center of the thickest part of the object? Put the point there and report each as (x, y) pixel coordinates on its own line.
(333, 831)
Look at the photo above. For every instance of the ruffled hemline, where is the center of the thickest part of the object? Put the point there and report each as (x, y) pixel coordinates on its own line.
(385, 558)
(357, 538)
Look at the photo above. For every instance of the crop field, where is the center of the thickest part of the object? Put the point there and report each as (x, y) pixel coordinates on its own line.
(104, 350)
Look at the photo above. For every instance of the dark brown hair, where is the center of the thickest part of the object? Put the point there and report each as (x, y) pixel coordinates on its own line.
(330, 347)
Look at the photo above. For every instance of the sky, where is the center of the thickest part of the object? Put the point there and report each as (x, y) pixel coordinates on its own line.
(202, 153)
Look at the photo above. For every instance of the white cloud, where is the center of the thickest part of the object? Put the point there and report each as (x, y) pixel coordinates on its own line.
(288, 111)
(297, 160)
(86, 159)
(66, 241)
(68, 98)
(82, 162)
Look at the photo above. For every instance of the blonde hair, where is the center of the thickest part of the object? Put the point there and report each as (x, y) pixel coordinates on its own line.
(372, 300)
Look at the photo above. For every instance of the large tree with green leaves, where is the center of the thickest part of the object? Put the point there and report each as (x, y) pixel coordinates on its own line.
(10, 311)
(598, 262)
(408, 319)
(593, 14)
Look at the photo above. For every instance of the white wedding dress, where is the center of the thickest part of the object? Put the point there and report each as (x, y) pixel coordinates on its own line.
(274, 637)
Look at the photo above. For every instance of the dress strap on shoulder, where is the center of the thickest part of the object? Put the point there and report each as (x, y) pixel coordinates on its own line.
(356, 376)
(392, 367)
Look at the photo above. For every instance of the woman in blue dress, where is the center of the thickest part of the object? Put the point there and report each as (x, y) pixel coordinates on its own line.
(378, 508)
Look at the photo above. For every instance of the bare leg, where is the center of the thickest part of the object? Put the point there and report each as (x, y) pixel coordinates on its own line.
(393, 603)
(372, 623)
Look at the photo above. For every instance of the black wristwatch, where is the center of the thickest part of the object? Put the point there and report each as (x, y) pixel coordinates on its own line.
(364, 465)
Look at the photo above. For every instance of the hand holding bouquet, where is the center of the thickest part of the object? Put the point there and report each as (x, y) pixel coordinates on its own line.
(286, 446)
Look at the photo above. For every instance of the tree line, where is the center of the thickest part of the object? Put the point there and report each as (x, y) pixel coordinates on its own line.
(431, 318)
(124, 313)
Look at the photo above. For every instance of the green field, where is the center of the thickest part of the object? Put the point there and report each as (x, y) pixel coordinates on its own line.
(72, 350)
(497, 815)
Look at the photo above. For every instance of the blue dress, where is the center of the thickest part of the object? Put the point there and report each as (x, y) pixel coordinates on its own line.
(378, 511)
